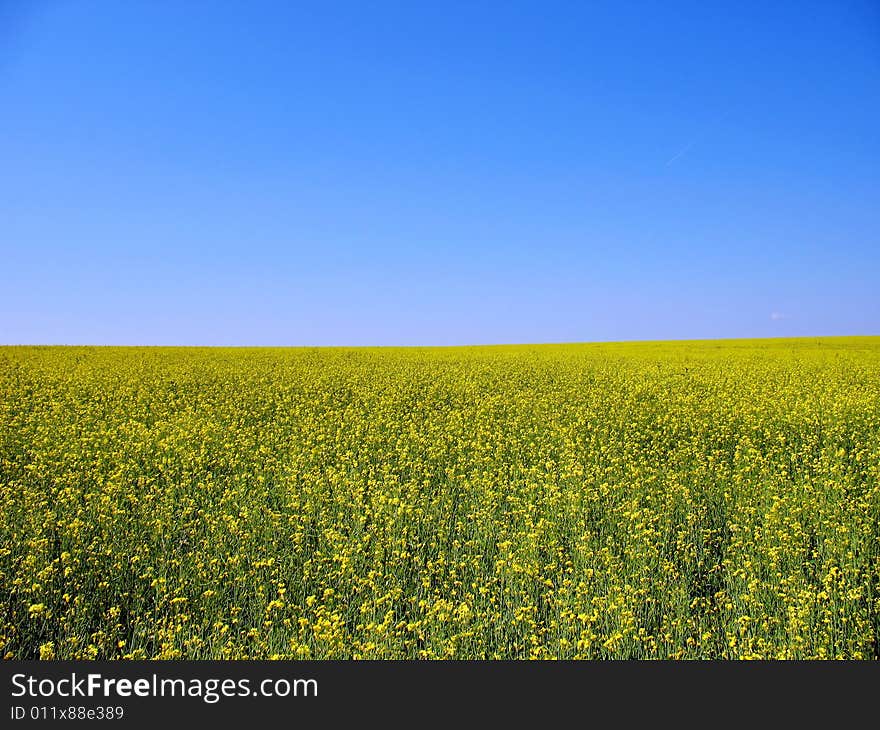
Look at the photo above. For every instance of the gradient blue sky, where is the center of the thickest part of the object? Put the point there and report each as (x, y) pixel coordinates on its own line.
(280, 173)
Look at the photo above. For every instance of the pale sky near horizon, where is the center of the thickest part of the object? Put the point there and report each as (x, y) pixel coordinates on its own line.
(274, 173)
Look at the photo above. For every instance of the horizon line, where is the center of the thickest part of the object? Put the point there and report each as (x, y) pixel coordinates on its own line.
(422, 347)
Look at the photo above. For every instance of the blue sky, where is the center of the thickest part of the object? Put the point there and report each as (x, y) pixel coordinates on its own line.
(278, 173)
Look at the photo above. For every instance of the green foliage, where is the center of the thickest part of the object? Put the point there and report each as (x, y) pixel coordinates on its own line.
(652, 500)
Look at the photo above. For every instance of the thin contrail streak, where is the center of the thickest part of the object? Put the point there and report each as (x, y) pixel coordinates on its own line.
(680, 153)
(693, 142)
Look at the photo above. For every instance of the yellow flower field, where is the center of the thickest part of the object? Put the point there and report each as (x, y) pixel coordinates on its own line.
(647, 500)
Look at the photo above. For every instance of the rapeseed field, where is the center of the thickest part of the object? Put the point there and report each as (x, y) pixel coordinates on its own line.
(645, 500)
